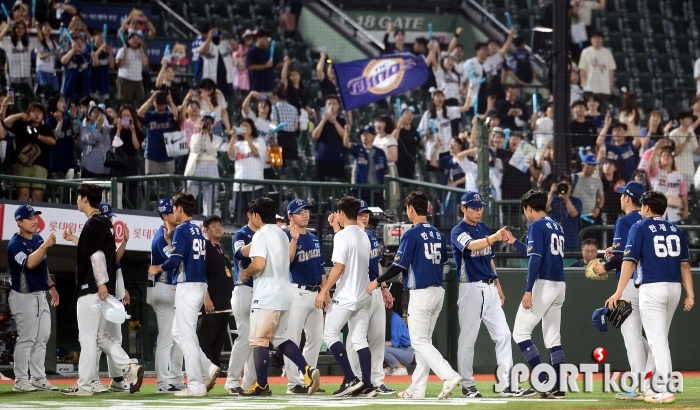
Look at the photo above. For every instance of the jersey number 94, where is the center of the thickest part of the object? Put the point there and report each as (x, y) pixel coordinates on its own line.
(199, 249)
(432, 252)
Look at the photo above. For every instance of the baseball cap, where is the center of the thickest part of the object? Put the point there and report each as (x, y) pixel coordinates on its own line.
(165, 206)
(600, 319)
(590, 159)
(633, 189)
(295, 206)
(364, 207)
(473, 200)
(369, 129)
(24, 212)
(248, 33)
(205, 114)
(106, 209)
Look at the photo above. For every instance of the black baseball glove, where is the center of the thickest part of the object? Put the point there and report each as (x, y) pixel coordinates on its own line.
(618, 315)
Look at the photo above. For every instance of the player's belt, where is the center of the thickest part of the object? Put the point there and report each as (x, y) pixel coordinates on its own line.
(151, 284)
(488, 281)
(315, 288)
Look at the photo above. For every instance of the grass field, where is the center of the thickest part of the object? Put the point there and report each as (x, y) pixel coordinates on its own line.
(220, 399)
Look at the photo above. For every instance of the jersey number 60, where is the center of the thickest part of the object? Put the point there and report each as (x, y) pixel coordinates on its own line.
(432, 252)
(663, 250)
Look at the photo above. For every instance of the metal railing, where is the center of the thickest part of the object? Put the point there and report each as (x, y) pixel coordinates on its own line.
(178, 17)
(347, 19)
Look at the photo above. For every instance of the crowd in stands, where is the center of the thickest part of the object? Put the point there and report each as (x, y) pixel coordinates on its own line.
(73, 127)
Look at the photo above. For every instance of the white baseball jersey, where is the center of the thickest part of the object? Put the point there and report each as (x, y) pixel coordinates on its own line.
(351, 248)
(271, 286)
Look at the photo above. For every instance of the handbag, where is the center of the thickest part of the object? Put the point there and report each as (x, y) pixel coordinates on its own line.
(176, 144)
(29, 154)
(116, 159)
(191, 166)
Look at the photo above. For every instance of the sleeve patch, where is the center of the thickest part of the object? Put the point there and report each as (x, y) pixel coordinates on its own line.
(21, 258)
(463, 238)
(238, 245)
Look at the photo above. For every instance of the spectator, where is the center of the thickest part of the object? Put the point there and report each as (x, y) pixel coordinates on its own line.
(581, 11)
(249, 153)
(164, 81)
(589, 251)
(617, 149)
(130, 62)
(686, 145)
(598, 67)
(370, 164)
(421, 47)
(262, 124)
(576, 92)
(588, 187)
(668, 180)
(544, 162)
(565, 209)
(452, 170)
(19, 47)
(128, 136)
(650, 134)
(192, 113)
(496, 138)
(476, 74)
(695, 107)
(157, 122)
(493, 119)
(629, 105)
(326, 77)
(593, 113)
(217, 58)
(46, 52)
(495, 62)
(297, 94)
(449, 79)
(386, 141)
(137, 20)
(610, 178)
(399, 45)
(583, 132)
(645, 160)
(211, 99)
(197, 64)
(76, 72)
(642, 177)
(521, 63)
(29, 128)
(408, 140)
(102, 62)
(202, 162)
(543, 128)
(511, 110)
(78, 28)
(398, 352)
(95, 141)
(65, 129)
(518, 182)
(330, 156)
(282, 111)
(261, 64)
(65, 10)
(696, 75)
(241, 82)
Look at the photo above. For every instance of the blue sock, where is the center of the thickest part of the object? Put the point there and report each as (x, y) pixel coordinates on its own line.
(293, 353)
(118, 379)
(556, 355)
(532, 355)
(365, 357)
(341, 356)
(261, 355)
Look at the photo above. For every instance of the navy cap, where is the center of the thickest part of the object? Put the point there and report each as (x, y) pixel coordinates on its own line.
(165, 206)
(633, 189)
(24, 212)
(600, 319)
(364, 207)
(369, 129)
(590, 159)
(106, 209)
(295, 206)
(473, 200)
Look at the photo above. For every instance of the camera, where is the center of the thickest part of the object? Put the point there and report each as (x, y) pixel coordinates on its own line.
(205, 125)
(562, 188)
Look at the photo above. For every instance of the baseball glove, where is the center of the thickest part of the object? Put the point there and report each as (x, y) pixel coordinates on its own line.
(590, 274)
(618, 315)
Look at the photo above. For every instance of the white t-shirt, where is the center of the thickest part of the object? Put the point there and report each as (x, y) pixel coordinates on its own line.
(49, 64)
(263, 127)
(474, 71)
(671, 184)
(443, 127)
(132, 68)
(696, 75)
(271, 286)
(449, 82)
(220, 105)
(351, 248)
(384, 143)
(597, 64)
(684, 160)
(211, 61)
(544, 133)
(470, 171)
(494, 64)
(247, 165)
(19, 57)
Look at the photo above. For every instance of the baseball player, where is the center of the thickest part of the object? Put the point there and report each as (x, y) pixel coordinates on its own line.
(272, 299)
(659, 250)
(114, 330)
(307, 275)
(26, 258)
(420, 259)
(376, 333)
(351, 259)
(95, 281)
(188, 258)
(480, 295)
(242, 351)
(545, 288)
(635, 343)
(161, 296)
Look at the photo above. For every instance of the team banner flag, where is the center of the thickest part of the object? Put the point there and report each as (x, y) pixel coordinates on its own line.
(362, 82)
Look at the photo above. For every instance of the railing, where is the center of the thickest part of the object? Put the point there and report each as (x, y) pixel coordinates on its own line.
(179, 18)
(347, 19)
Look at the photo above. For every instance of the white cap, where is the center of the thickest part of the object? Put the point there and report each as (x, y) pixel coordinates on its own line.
(113, 310)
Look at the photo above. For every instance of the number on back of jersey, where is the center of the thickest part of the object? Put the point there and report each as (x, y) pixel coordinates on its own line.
(556, 245)
(667, 245)
(199, 249)
(432, 252)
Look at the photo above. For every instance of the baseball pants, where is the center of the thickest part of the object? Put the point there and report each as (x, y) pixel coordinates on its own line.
(424, 307)
(375, 338)
(241, 353)
(114, 330)
(638, 353)
(357, 320)
(92, 333)
(479, 302)
(658, 302)
(547, 300)
(189, 298)
(33, 321)
(268, 326)
(303, 316)
(169, 357)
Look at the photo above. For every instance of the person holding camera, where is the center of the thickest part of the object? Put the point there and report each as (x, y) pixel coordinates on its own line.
(565, 210)
(249, 154)
(127, 136)
(157, 122)
(95, 142)
(202, 162)
(217, 58)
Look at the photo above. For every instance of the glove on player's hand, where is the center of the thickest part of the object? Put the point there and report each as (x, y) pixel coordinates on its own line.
(590, 274)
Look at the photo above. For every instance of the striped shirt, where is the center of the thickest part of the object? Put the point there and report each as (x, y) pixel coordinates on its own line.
(132, 68)
(285, 112)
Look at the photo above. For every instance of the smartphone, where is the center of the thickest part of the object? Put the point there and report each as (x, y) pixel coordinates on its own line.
(240, 130)
(263, 96)
(216, 33)
(125, 122)
(11, 96)
(196, 93)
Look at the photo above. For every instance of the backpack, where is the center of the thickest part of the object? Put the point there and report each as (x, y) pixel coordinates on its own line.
(523, 66)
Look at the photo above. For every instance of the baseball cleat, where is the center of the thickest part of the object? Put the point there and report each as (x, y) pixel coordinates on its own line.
(518, 393)
(298, 389)
(630, 395)
(448, 386)
(213, 374)
(470, 392)
(348, 387)
(234, 391)
(256, 390)
(24, 386)
(76, 391)
(186, 392)
(121, 386)
(384, 390)
(555, 393)
(43, 385)
(168, 389)
(661, 398)
(134, 376)
(312, 379)
(98, 387)
(368, 391)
